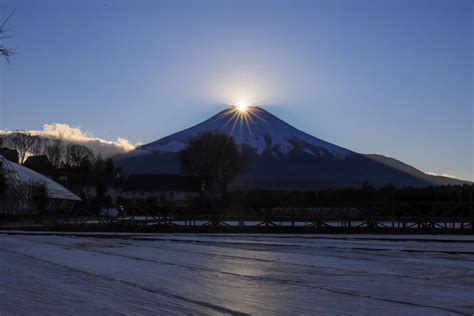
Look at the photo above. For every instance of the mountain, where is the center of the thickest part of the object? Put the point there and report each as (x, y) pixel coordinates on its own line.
(280, 156)
(397, 164)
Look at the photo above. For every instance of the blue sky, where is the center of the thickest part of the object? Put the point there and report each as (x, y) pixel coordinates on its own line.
(388, 77)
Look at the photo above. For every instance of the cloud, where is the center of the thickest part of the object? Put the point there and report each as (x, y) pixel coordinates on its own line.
(75, 134)
(431, 173)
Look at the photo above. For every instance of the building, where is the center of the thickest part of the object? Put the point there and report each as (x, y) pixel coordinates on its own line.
(112, 184)
(161, 187)
(18, 196)
(38, 163)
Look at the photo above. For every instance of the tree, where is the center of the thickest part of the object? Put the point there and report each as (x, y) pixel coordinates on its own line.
(109, 166)
(78, 155)
(55, 152)
(5, 51)
(99, 164)
(213, 157)
(22, 142)
(38, 148)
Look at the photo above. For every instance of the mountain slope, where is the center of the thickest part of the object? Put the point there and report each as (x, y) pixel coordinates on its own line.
(397, 164)
(280, 156)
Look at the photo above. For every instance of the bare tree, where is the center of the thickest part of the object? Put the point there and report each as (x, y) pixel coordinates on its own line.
(22, 142)
(214, 158)
(55, 152)
(5, 51)
(77, 155)
(5, 140)
(38, 147)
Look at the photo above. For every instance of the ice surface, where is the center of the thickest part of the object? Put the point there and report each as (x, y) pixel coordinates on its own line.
(236, 274)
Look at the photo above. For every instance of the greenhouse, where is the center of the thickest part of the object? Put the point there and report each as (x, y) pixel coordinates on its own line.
(22, 187)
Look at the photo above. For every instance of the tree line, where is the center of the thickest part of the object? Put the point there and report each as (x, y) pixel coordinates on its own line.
(68, 163)
(215, 159)
(59, 153)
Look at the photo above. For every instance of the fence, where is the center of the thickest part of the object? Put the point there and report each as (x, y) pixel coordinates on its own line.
(391, 217)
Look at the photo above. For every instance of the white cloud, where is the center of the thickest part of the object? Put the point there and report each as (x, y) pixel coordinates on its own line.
(431, 173)
(75, 134)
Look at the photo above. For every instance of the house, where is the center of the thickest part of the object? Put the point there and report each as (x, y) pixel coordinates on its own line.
(161, 187)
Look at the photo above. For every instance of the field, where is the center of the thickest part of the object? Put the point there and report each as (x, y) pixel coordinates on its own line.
(236, 274)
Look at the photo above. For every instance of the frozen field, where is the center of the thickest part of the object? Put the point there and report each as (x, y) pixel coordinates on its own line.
(236, 274)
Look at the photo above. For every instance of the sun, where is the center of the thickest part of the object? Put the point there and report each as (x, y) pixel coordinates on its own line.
(243, 106)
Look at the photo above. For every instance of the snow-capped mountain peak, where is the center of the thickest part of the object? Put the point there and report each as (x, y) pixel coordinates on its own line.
(256, 128)
(285, 156)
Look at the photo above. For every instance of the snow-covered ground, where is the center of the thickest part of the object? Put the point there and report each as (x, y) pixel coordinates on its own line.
(235, 274)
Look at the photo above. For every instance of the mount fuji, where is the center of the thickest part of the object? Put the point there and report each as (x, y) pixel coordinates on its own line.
(280, 156)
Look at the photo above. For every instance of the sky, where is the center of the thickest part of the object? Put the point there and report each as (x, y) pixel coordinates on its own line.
(387, 77)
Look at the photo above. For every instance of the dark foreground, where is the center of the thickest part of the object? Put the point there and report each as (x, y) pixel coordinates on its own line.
(236, 274)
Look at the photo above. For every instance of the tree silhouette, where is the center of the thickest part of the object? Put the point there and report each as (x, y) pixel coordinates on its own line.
(23, 142)
(5, 51)
(78, 155)
(55, 152)
(214, 158)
